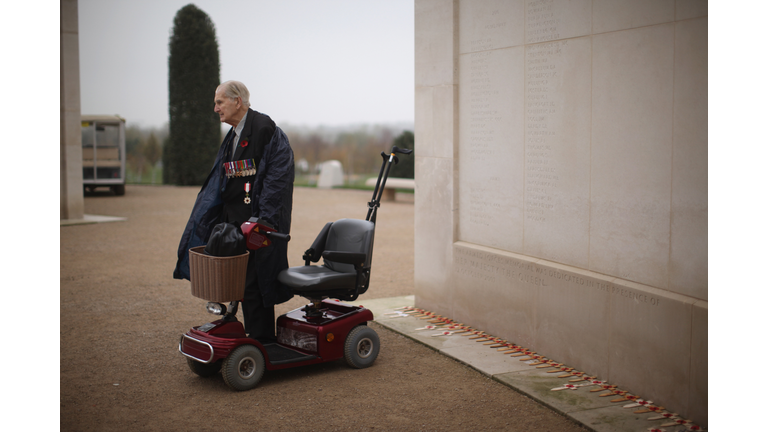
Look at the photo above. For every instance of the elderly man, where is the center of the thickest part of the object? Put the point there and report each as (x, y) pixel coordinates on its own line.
(252, 176)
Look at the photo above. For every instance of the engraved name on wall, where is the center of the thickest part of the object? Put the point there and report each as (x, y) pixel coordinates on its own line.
(524, 118)
(491, 147)
(541, 134)
(557, 140)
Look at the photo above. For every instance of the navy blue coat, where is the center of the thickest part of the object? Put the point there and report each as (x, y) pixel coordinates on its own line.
(272, 200)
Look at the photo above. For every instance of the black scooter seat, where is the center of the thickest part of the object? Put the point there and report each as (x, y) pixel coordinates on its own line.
(317, 278)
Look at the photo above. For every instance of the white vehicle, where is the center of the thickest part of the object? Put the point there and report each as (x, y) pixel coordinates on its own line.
(103, 152)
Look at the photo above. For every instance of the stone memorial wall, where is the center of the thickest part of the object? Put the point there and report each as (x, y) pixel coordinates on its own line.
(561, 182)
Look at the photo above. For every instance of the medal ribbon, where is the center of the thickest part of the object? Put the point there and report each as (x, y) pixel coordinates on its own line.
(240, 168)
(247, 199)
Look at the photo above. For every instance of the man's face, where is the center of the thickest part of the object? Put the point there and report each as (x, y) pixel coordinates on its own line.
(227, 109)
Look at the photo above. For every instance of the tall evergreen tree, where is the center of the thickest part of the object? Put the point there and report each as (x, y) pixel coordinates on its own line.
(193, 74)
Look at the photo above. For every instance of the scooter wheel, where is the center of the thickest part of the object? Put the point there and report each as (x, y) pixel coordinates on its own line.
(244, 367)
(202, 369)
(361, 347)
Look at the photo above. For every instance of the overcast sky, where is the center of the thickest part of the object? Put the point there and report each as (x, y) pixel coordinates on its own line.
(305, 62)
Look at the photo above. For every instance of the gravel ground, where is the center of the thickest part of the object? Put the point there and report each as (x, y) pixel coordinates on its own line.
(122, 314)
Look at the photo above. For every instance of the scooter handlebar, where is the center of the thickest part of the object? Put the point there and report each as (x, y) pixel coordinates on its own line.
(395, 149)
(274, 235)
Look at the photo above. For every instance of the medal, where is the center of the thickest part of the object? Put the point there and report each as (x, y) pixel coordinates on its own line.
(241, 168)
(247, 199)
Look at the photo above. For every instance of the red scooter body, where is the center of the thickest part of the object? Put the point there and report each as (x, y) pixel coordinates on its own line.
(302, 340)
(321, 336)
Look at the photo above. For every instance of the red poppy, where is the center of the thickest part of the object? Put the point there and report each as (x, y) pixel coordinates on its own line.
(244, 143)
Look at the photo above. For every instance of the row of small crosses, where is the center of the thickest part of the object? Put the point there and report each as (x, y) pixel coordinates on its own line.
(449, 327)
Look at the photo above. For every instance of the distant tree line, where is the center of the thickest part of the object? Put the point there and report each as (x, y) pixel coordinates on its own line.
(144, 149)
(357, 149)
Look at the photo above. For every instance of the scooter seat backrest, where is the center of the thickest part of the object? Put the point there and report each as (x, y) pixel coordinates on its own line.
(349, 235)
(315, 251)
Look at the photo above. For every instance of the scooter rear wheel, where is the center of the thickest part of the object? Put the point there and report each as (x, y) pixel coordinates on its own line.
(244, 367)
(361, 347)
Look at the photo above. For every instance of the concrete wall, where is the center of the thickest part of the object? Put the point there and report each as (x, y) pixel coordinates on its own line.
(71, 147)
(561, 173)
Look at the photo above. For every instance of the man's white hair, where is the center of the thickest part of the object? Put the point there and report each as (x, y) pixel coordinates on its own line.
(236, 89)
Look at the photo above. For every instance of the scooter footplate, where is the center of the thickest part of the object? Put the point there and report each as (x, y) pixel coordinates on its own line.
(279, 355)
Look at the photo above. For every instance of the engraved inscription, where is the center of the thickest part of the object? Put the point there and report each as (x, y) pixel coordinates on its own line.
(541, 21)
(482, 112)
(495, 268)
(481, 207)
(487, 266)
(542, 177)
(481, 44)
(490, 192)
(490, 31)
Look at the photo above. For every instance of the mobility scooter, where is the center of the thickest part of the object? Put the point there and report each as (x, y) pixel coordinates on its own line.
(324, 330)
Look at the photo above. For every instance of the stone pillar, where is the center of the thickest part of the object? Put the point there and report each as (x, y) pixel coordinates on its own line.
(561, 183)
(71, 156)
(436, 129)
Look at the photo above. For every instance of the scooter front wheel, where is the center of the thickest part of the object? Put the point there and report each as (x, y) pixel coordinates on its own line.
(202, 369)
(361, 347)
(244, 367)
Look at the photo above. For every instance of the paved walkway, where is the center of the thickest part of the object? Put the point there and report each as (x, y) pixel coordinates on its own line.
(583, 404)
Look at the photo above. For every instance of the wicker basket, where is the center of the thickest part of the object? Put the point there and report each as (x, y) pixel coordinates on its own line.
(218, 279)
